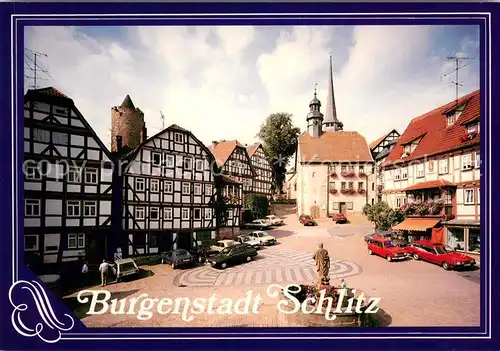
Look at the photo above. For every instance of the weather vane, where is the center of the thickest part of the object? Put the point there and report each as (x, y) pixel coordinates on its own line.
(315, 86)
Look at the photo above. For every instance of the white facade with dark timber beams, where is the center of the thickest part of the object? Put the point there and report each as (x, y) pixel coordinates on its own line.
(263, 181)
(168, 193)
(67, 183)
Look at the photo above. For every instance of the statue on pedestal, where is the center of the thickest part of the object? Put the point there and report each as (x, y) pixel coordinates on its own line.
(322, 265)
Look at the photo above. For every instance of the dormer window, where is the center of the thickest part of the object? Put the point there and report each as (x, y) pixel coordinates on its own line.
(453, 115)
(450, 119)
(471, 128)
(407, 149)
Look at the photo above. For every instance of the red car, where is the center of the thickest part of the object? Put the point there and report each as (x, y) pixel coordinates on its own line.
(439, 254)
(385, 248)
(339, 218)
(307, 220)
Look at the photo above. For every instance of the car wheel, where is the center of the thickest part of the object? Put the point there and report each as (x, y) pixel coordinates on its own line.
(370, 252)
(389, 258)
(249, 259)
(173, 266)
(446, 266)
(415, 257)
(223, 265)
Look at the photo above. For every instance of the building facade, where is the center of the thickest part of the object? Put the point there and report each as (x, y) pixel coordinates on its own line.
(67, 183)
(262, 183)
(334, 168)
(380, 149)
(435, 170)
(168, 190)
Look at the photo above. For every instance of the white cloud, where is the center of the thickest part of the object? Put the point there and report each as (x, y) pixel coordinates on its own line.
(221, 82)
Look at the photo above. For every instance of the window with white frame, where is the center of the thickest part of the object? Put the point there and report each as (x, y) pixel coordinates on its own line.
(31, 242)
(90, 208)
(197, 189)
(208, 213)
(477, 163)
(466, 162)
(397, 174)
(155, 185)
(443, 166)
(185, 213)
(139, 213)
(420, 170)
(208, 189)
(179, 138)
(41, 135)
(188, 163)
(199, 165)
(168, 186)
(404, 173)
(154, 213)
(60, 138)
(471, 128)
(197, 213)
(399, 201)
(407, 149)
(74, 175)
(450, 119)
(169, 160)
(139, 184)
(478, 195)
(90, 175)
(31, 207)
(33, 172)
(469, 196)
(186, 188)
(76, 241)
(156, 158)
(73, 208)
(167, 213)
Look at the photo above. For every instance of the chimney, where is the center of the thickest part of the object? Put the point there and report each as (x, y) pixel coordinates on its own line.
(118, 142)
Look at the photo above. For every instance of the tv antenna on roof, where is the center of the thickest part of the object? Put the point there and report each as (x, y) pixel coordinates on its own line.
(458, 67)
(162, 120)
(34, 66)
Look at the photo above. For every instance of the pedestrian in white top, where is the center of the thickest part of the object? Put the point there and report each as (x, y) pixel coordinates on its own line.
(103, 268)
(85, 273)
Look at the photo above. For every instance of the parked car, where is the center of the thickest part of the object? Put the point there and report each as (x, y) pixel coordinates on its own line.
(125, 267)
(177, 258)
(386, 235)
(440, 254)
(199, 253)
(263, 237)
(339, 218)
(246, 239)
(399, 242)
(233, 255)
(258, 224)
(385, 248)
(275, 220)
(307, 220)
(222, 244)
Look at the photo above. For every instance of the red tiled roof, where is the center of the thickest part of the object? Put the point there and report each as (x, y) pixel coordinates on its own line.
(335, 146)
(437, 135)
(252, 149)
(430, 184)
(50, 91)
(222, 150)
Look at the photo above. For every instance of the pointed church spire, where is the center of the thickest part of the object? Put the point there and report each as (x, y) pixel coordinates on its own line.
(331, 122)
(127, 102)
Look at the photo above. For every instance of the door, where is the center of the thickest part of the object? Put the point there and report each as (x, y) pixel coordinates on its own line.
(184, 240)
(342, 207)
(426, 253)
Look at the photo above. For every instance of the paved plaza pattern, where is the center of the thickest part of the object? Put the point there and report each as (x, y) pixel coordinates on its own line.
(271, 265)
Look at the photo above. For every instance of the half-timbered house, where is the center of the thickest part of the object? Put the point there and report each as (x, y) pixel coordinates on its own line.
(168, 193)
(263, 181)
(380, 149)
(67, 183)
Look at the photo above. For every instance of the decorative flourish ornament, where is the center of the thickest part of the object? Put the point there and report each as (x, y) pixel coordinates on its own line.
(47, 326)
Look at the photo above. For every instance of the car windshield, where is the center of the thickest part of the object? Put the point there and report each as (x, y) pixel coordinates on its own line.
(226, 251)
(443, 249)
(180, 253)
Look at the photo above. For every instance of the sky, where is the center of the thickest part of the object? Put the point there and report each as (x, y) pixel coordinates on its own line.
(222, 82)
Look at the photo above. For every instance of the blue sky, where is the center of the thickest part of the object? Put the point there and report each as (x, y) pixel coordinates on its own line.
(222, 82)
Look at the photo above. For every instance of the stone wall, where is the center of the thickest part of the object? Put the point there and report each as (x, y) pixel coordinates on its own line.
(129, 123)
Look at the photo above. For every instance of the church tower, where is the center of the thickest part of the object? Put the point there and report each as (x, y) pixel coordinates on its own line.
(331, 122)
(314, 117)
(128, 128)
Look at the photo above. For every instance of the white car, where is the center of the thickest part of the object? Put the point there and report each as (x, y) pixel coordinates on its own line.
(263, 237)
(247, 239)
(222, 244)
(258, 224)
(275, 220)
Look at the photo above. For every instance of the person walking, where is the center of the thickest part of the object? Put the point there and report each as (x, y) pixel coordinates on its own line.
(85, 273)
(103, 268)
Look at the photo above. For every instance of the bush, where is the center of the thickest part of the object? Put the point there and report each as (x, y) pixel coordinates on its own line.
(382, 215)
(284, 201)
(257, 204)
(247, 216)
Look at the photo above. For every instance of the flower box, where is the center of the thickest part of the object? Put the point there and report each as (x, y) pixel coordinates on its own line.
(468, 136)
(348, 191)
(361, 191)
(333, 191)
(347, 174)
(333, 175)
(362, 174)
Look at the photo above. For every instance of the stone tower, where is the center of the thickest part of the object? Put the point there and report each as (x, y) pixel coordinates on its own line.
(331, 122)
(128, 128)
(314, 117)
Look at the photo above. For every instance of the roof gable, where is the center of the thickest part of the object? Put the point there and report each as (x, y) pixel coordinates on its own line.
(436, 135)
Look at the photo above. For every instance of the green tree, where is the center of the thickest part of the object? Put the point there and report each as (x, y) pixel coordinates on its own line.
(258, 204)
(382, 215)
(279, 140)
